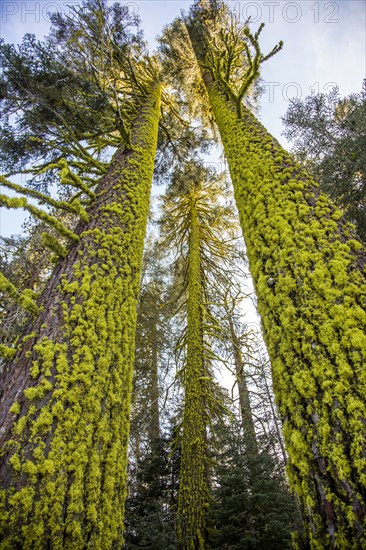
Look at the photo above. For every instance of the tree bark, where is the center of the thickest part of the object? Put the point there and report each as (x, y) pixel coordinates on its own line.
(193, 487)
(66, 394)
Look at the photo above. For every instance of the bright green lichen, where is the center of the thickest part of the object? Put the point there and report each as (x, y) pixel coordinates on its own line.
(15, 408)
(9, 202)
(54, 244)
(72, 206)
(66, 462)
(308, 271)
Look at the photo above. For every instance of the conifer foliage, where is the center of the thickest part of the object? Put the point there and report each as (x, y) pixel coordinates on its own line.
(329, 137)
(253, 508)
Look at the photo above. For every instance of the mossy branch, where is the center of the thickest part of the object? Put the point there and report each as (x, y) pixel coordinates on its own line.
(10, 202)
(54, 244)
(233, 57)
(24, 299)
(73, 207)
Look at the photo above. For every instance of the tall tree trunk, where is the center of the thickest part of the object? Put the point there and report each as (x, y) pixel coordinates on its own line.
(65, 406)
(244, 399)
(193, 487)
(308, 271)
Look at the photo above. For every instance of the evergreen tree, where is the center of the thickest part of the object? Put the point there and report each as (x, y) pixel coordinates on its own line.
(26, 266)
(153, 458)
(233, 336)
(153, 353)
(65, 408)
(69, 382)
(329, 138)
(149, 341)
(193, 487)
(308, 269)
(253, 508)
(193, 219)
(151, 507)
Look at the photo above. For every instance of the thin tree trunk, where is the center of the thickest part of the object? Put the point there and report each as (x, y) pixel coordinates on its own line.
(65, 407)
(308, 270)
(193, 488)
(154, 426)
(244, 399)
(269, 395)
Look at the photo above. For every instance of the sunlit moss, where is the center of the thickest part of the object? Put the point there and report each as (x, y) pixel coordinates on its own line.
(193, 495)
(66, 461)
(308, 269)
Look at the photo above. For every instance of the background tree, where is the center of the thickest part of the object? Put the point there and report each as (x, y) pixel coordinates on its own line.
(253, 508)
(154, 456)
(155, 338)
(235, 339)
(26, 266)
(183, 213)
(195, 222)
(152, 505)
(329, 138)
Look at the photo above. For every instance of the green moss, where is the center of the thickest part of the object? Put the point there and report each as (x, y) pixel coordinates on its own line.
(54, 244)
(6, 352)
(73, 206)
(25, 299)
(313, 315)
(72, 437)
(193, 494)
(10, 202)
(15, 462)
(15, 408)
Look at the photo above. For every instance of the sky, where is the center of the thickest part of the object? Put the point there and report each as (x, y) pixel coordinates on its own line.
(324, 46)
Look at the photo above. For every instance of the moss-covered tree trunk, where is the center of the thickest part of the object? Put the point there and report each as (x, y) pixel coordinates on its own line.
(66, 394)
(308, 270)
(243, 391)
(193, 486)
